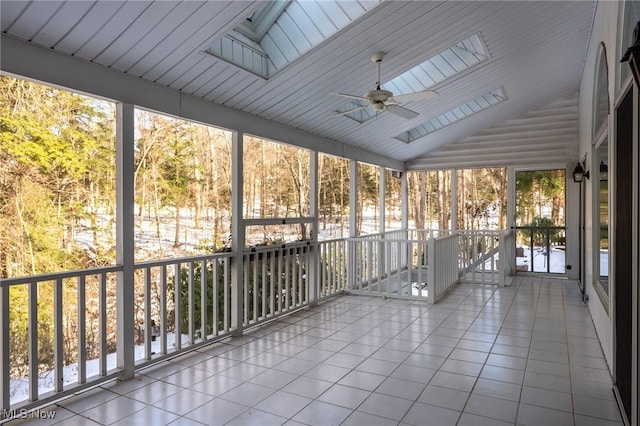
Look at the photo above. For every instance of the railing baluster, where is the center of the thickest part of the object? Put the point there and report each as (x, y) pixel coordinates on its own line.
(215, 320)
(370, 264)
(191, 304)
(272, 277)
(204, 293)
(303, 273)
(263, 264)
(5, 366)
(58, 326)
(280, 254)
(400, 266)
(293, 254)
(33, 340)
(163, 309)
(287, 281)
(254, 282)
(329, 267)
(102, 319)
(422, 261)
(147, 313)
(177, 295)
(308, 279)
(387, 252)
(82, 332)
(226, 300)
(245, 284)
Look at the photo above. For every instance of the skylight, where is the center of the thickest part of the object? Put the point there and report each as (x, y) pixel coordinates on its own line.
(436, 69)
(456, 114)
(283, 30)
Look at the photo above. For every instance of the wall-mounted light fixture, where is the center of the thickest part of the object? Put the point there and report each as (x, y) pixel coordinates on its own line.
(603, 167)
(604, 171)
(632, 55)
(579, 174)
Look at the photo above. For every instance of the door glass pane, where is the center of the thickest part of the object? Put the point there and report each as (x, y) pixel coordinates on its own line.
(602, 257)
(540, 220)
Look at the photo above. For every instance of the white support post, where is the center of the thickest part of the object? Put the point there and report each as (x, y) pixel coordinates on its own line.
(313, 274)
(353, 221)
(353, 198)
(431, 271)
(382, 201)
(511, 197)
(511, 216)
(237, 233)
(124, 239)
(382, 257)
(454, 200)
(404, 201)
(404, 197)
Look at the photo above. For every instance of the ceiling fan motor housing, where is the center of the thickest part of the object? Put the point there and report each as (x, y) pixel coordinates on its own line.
(378, 95)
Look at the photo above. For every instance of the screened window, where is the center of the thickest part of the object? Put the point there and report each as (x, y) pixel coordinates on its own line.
(601, 99)
(429, 199)
(368, 214)
(276, 179)
(601, 270)
(482, 198)
(182, 187)
(276, 186)
(57, 180)
(392, 200)
(333, 197)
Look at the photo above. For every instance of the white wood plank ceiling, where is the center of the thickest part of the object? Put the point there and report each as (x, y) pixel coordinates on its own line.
(536, 55)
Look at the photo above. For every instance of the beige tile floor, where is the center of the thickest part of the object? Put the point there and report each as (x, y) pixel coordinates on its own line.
(525, 354)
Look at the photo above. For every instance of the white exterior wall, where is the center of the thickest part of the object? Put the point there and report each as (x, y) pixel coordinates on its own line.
(605, 30)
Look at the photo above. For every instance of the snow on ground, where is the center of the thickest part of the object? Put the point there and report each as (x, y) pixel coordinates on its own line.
(19, 388)
(555, 258)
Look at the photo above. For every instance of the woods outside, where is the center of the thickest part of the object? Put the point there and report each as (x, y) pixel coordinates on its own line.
(57, 201)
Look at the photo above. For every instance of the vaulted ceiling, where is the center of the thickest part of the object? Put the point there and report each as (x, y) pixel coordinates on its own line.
(535, 56)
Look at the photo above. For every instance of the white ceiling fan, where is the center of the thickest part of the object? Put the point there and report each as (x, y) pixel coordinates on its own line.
(384, 100)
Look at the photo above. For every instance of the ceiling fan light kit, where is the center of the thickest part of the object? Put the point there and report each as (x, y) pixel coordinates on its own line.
(381, 100)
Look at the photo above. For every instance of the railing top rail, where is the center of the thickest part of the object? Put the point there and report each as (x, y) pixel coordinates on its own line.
(173, 261)
(333, 240)
(278, 247)
(444, 237)
(389, 240)
(58, 275)
(539, 227)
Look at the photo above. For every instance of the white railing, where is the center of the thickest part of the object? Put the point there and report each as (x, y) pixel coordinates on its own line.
(425, 234)
(388, 266)
(179, 303)
(275, 281)
(507, 256)
(443, 271)
(185, 297)
(333, 267)
(479, 254)
(391, 264)
(183, 303)
(39, 369)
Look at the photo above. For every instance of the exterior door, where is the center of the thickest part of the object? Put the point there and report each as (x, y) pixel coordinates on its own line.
(623, 291)
(540, 221)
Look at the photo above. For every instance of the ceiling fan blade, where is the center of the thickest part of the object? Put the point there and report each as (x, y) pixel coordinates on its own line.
(417, 96)
(351, 110)
(401, 111)
(344, 95)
